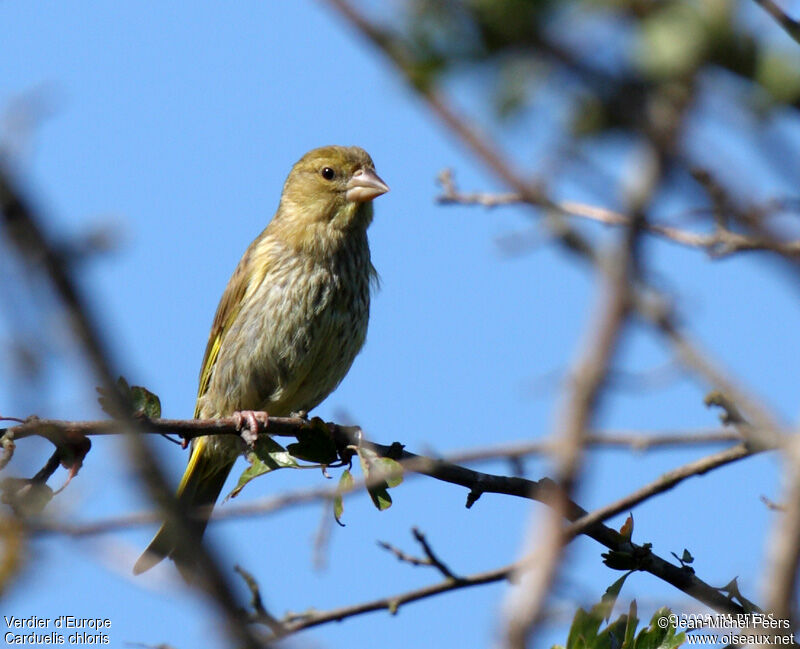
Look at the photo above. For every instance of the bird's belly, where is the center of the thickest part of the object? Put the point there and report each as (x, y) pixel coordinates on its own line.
(294, 349)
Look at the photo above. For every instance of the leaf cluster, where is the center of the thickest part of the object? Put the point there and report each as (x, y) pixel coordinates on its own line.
(586, 632)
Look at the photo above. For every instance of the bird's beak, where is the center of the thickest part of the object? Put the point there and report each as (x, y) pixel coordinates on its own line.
(364, 186)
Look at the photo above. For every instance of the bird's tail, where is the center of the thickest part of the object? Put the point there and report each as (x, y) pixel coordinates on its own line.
(198, 490)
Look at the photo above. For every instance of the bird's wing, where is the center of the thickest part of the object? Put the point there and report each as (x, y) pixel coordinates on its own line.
(229, 307)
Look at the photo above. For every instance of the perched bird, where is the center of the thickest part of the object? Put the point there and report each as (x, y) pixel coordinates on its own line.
(291, 320)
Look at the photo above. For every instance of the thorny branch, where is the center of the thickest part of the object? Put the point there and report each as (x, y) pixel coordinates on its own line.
(636, 556)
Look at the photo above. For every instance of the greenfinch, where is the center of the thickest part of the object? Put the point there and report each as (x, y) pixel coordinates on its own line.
(290, 322)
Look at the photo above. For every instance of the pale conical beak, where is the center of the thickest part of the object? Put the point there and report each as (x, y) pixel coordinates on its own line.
(364, 186)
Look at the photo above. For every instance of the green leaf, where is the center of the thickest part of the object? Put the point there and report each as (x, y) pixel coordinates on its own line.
(268, 451)
(621, 633)
(266, 456)
(778, 74)
(673, 42)
(143, 403)
(108, 405)
(654, 637)
(619, 560)
(609, 598)
(584, 628)
(391, 470)
(613, 635)
(630, 629)
(380, 497)
(381, 473)
(345, 485)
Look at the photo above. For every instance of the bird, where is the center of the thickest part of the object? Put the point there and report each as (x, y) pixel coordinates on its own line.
(289, 324)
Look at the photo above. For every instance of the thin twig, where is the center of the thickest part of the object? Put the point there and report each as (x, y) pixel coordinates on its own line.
(719, 243)
(762, 429)
(663, 483)
(771, 504)
(393, 603)
(257, 603)
(403, 556)
(789, 25)
(431, 555)
(416, 463)
(584, 523)
(636, 442)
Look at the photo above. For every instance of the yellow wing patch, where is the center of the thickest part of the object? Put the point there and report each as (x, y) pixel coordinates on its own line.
(197, 451)
(245, 279)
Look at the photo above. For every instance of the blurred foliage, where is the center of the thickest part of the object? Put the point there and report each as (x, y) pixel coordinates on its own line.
(265, 456)
(11, 550)
(585, 631)
(614, 57)
(632, 67)
(142, 402)
(664, 84)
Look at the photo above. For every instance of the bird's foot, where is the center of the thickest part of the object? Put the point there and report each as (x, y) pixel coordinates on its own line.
(254, 420)
(300, 414)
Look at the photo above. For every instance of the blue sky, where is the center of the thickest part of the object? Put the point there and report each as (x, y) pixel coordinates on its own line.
(177, 126)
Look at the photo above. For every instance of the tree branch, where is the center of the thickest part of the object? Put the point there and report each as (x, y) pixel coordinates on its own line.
(664, 483)
(431, 559)
(584, 522)
(789, 25)
(477, 483)
(719, 243)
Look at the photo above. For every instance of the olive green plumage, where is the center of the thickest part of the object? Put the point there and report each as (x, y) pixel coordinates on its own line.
(292, 318)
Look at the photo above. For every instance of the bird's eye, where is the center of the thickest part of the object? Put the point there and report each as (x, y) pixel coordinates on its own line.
(328, 173)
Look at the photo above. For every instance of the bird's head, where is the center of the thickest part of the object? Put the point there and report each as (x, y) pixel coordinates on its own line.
(329, 193)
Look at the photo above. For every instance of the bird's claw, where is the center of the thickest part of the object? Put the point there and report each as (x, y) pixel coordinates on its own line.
(254, 420)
